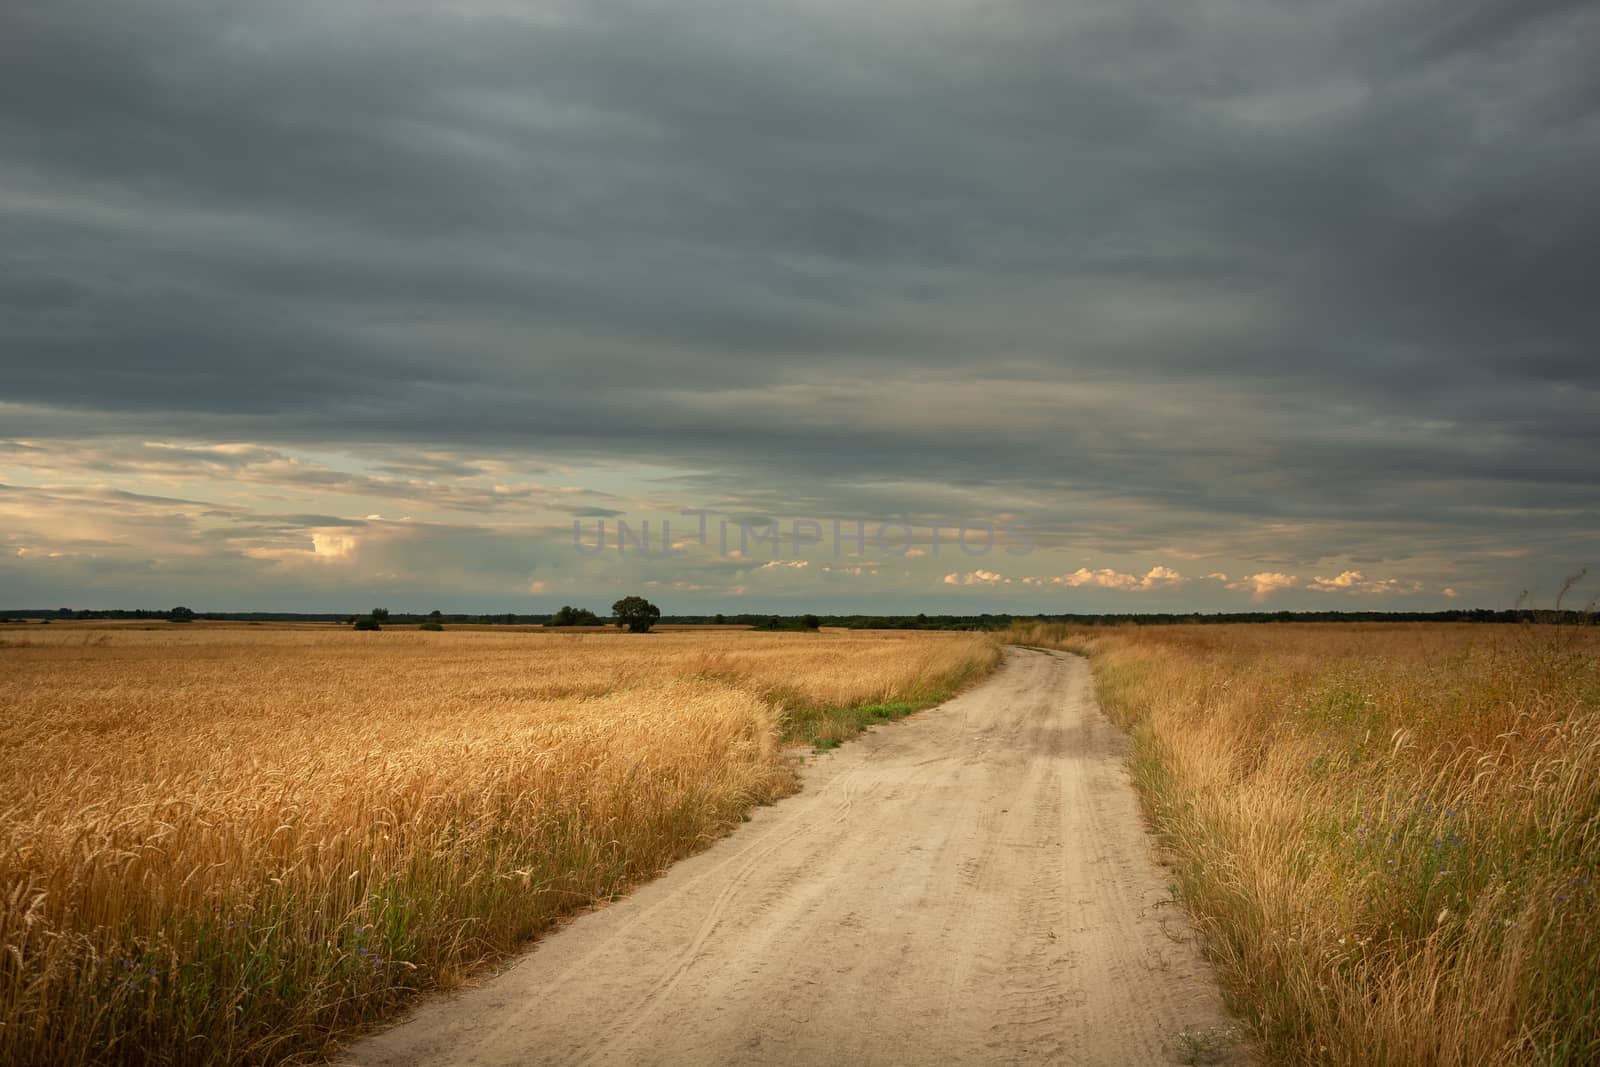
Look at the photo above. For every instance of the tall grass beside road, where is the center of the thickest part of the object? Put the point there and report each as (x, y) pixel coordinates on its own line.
(234, 845)
(1390, 834)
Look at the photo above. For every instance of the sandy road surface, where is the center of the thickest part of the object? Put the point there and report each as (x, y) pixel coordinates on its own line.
(970, 886)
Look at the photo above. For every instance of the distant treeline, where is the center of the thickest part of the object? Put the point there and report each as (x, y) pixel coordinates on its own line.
(854, 622)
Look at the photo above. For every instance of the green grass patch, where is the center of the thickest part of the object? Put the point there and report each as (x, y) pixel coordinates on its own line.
(826, 728)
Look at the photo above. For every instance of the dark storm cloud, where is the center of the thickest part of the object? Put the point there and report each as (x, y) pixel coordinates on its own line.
(1316, 262)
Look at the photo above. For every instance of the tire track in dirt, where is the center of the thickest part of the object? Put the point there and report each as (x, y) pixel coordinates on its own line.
(973, 885)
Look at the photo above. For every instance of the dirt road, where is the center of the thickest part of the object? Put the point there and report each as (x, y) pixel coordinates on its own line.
(970, 886)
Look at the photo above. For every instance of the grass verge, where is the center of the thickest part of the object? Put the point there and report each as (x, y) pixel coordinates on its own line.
(826, 727)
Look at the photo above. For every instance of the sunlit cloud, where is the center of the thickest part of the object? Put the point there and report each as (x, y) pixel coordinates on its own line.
(1161, 577)
(1260, 586)
(855, 570)
(1345, 581)
(978, 577)
(1356, 582)
(332, 546)
(449, 484)
(1157, 577)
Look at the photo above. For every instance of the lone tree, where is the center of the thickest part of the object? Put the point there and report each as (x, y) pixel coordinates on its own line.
(636, 613)
(180, 614)
(380, 614)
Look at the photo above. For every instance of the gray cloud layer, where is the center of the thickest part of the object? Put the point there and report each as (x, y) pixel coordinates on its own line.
(1157, 271)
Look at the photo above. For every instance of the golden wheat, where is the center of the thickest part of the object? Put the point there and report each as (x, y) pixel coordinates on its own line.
(235, 844)
(1390, 833)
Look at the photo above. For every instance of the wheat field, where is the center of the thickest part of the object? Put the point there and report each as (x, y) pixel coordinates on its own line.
(237, 844)
(1390, 834)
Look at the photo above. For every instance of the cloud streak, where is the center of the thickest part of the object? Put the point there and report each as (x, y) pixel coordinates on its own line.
(1287, 293)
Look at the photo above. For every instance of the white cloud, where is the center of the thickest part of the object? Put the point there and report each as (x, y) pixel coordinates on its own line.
(1105, 578)
(1263, 585)
(1157, 577)
(978, 577)
(1356, 582)
(1396, 586)
(332, 545)
(1161, 577)
(1344, 581)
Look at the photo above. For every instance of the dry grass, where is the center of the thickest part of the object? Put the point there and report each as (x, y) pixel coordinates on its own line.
(234, 845)
(1389, 833)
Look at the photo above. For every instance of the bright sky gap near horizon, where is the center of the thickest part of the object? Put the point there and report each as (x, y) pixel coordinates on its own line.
(316, 306)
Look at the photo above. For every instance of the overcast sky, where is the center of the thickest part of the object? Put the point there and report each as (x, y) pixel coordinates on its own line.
(1218, 304)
